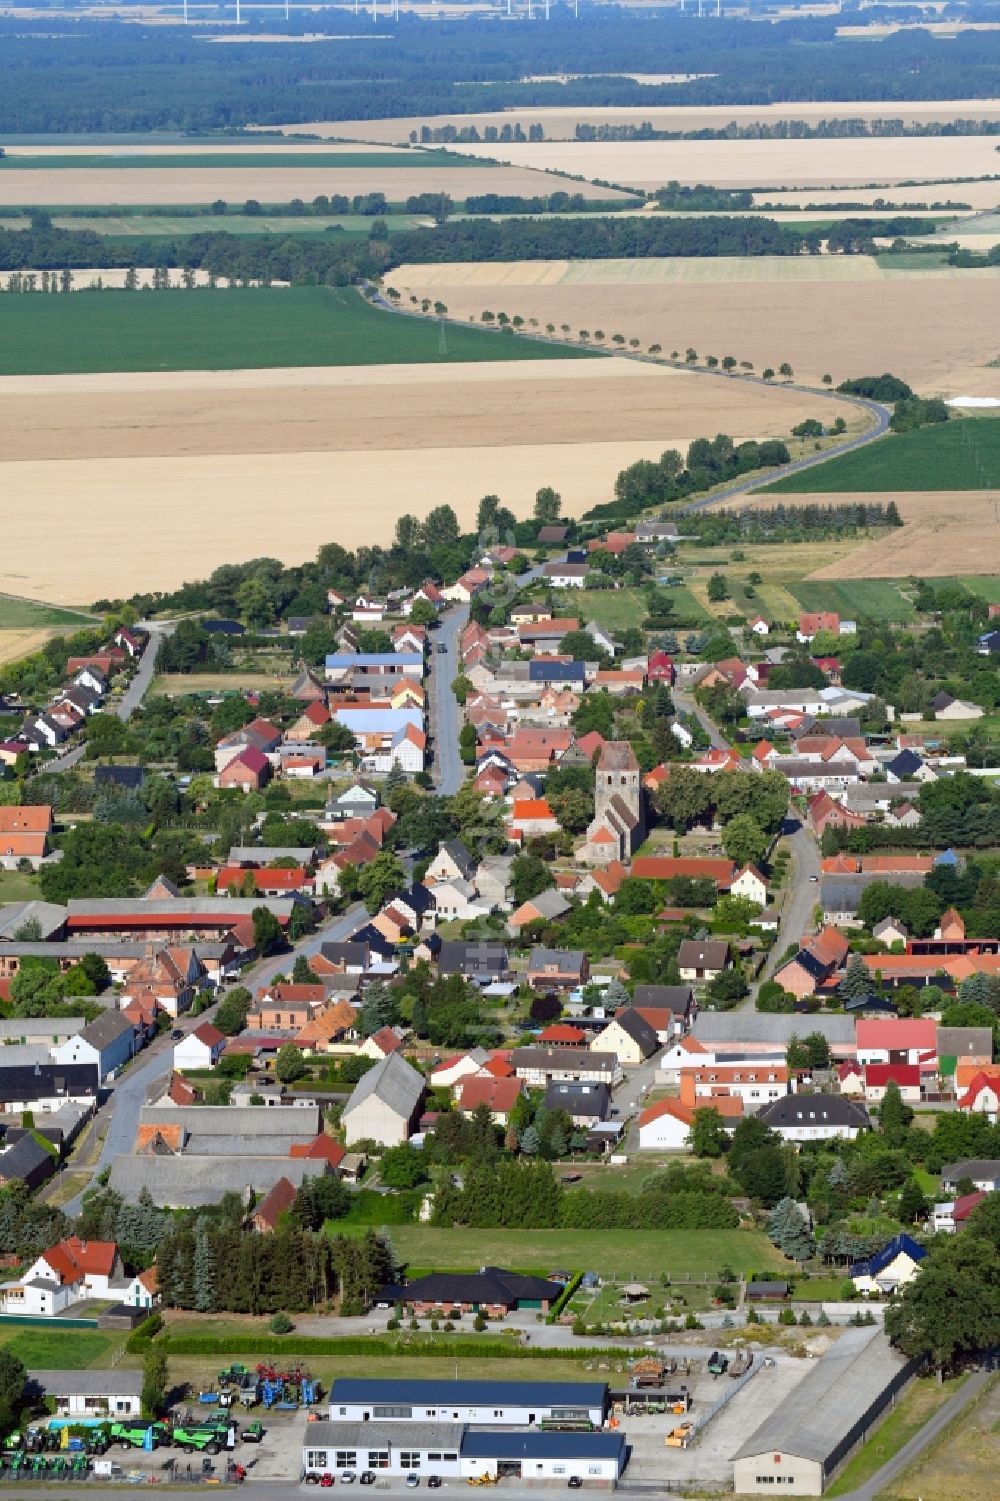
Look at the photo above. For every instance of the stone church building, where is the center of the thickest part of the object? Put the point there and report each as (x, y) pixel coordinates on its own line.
(619, 825)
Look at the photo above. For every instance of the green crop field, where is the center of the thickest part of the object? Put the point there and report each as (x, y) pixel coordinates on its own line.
(54, 1349)
(122, 225)
(21, 614)
(234, 329)
(963, 454)
(641, 1254)
(617, 609)
(205, 160)
(855, 599)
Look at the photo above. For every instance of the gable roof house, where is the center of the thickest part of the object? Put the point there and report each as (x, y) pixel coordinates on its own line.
(557, 969)
(888, 1270)
(815, 1117)
(385, 1104)
(629, 1035)
(702, 960)
(24, 834)
(108, 1041)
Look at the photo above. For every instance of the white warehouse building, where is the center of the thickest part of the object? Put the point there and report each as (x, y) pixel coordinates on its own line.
(452, 1451)
(510, 1404)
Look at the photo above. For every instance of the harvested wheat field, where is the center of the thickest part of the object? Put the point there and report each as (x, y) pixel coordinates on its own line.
(15, 644)
(57, 186)
(212, 455)
(755, 164)
(938, 331)
(560, 121)
(944, 532)
(978, 195)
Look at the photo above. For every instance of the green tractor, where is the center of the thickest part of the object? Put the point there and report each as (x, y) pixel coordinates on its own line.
(233, 1375)
(201, 1438)
(132, 1435)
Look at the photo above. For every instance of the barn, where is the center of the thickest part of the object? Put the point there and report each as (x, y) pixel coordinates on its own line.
(805, 1441)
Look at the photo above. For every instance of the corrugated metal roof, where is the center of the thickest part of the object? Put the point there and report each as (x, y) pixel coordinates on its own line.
(478, 1444)
(819, 1413)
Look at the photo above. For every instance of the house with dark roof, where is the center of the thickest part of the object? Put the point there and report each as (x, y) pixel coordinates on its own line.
(108, 1041)
(893, 1267)
(585, 1101)
(815, 1117)
(557, 969)
(702, 959)
(492, 1292)
(27, 1161)
(629, 1035)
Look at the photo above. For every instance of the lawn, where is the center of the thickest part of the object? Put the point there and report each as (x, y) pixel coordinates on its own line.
(15, 887)
(234, 329)
(964, 1462)
(641, 1254)
(54, 1349)
(30, 614)
(183, 684)
(915, 1408)
(855, 599)
(963, 454)
(614, 609)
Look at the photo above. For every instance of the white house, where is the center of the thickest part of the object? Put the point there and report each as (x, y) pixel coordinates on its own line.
(90, 1394)
(665, 1127)
(759, 626)
(566, 575)
(108, 1041)
(889, 1269)
(750, 883)
(460, 1066)
(815, 1117)
(67, 1273)
(201, 1048)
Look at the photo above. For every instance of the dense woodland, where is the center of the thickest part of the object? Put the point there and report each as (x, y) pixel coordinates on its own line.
(131, 78)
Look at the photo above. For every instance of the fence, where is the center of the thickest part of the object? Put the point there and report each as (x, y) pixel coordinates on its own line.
(737, 1385)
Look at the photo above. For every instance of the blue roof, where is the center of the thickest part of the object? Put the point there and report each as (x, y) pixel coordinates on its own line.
(400, 659)
(898, 1245)
(443, 1392)
(947, 857)
(493, 1445)
(376, 721)
(540, 671)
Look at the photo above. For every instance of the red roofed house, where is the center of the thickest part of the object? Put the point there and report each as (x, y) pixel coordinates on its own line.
(878, 1077)
(815, 963)
(530, 817)
(896, 1039)
(825, 812)
(270, 1209)
(312, 718)
(666, 1126)
(498, 1095)
(381, 1044)
(24, 834)
(321, 1148)
(249, 771)
(660, 668)
(561, 1035)
(695, 867)
(201, 1048)
(810, 624)
(953, 1213)
(982, 1096)
(67, 1273)
(264, 880)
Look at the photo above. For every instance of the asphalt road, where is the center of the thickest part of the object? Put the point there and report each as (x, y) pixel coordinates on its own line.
(130, 700)
(688, 704)
(803, 892)
(128, 1096)
(446, 716)
(928, 1433)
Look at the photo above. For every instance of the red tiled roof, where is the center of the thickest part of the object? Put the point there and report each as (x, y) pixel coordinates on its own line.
(498, 1095)
(896, 1032)
(561, 1032)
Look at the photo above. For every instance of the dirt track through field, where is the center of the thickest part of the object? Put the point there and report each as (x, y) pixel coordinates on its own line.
(338, 454)
(938, 333)
(944, 532)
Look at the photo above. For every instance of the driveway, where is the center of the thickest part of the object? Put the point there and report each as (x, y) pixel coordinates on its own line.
(686, 703)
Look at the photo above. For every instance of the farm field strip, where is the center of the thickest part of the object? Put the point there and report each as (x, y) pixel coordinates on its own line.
(663, 270)
(290, 158)
(962, 454)
(563, 119)
(61, 187)
(945, 534)
(757, 164)
(924, 189)
(642, 1254)
(234, 329)
(937, 332)
(148, 225)
(872, 600)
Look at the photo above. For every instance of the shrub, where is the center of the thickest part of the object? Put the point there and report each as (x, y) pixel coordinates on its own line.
(787, 1316)
(280, 1323)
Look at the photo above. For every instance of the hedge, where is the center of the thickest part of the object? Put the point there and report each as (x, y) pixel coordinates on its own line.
(564, 1297)
(448, 1348)
(143, 1334)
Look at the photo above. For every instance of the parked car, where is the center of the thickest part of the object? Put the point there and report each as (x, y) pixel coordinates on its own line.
(574, 1482)
(368, 1477)
(347, 1477)
(434, 1481)
(412, 1480)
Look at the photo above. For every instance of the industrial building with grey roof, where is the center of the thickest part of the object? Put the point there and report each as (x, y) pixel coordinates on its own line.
(831, 1411)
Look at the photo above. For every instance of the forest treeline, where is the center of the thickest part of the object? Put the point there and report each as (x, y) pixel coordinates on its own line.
(87, 75)
(340, 260)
